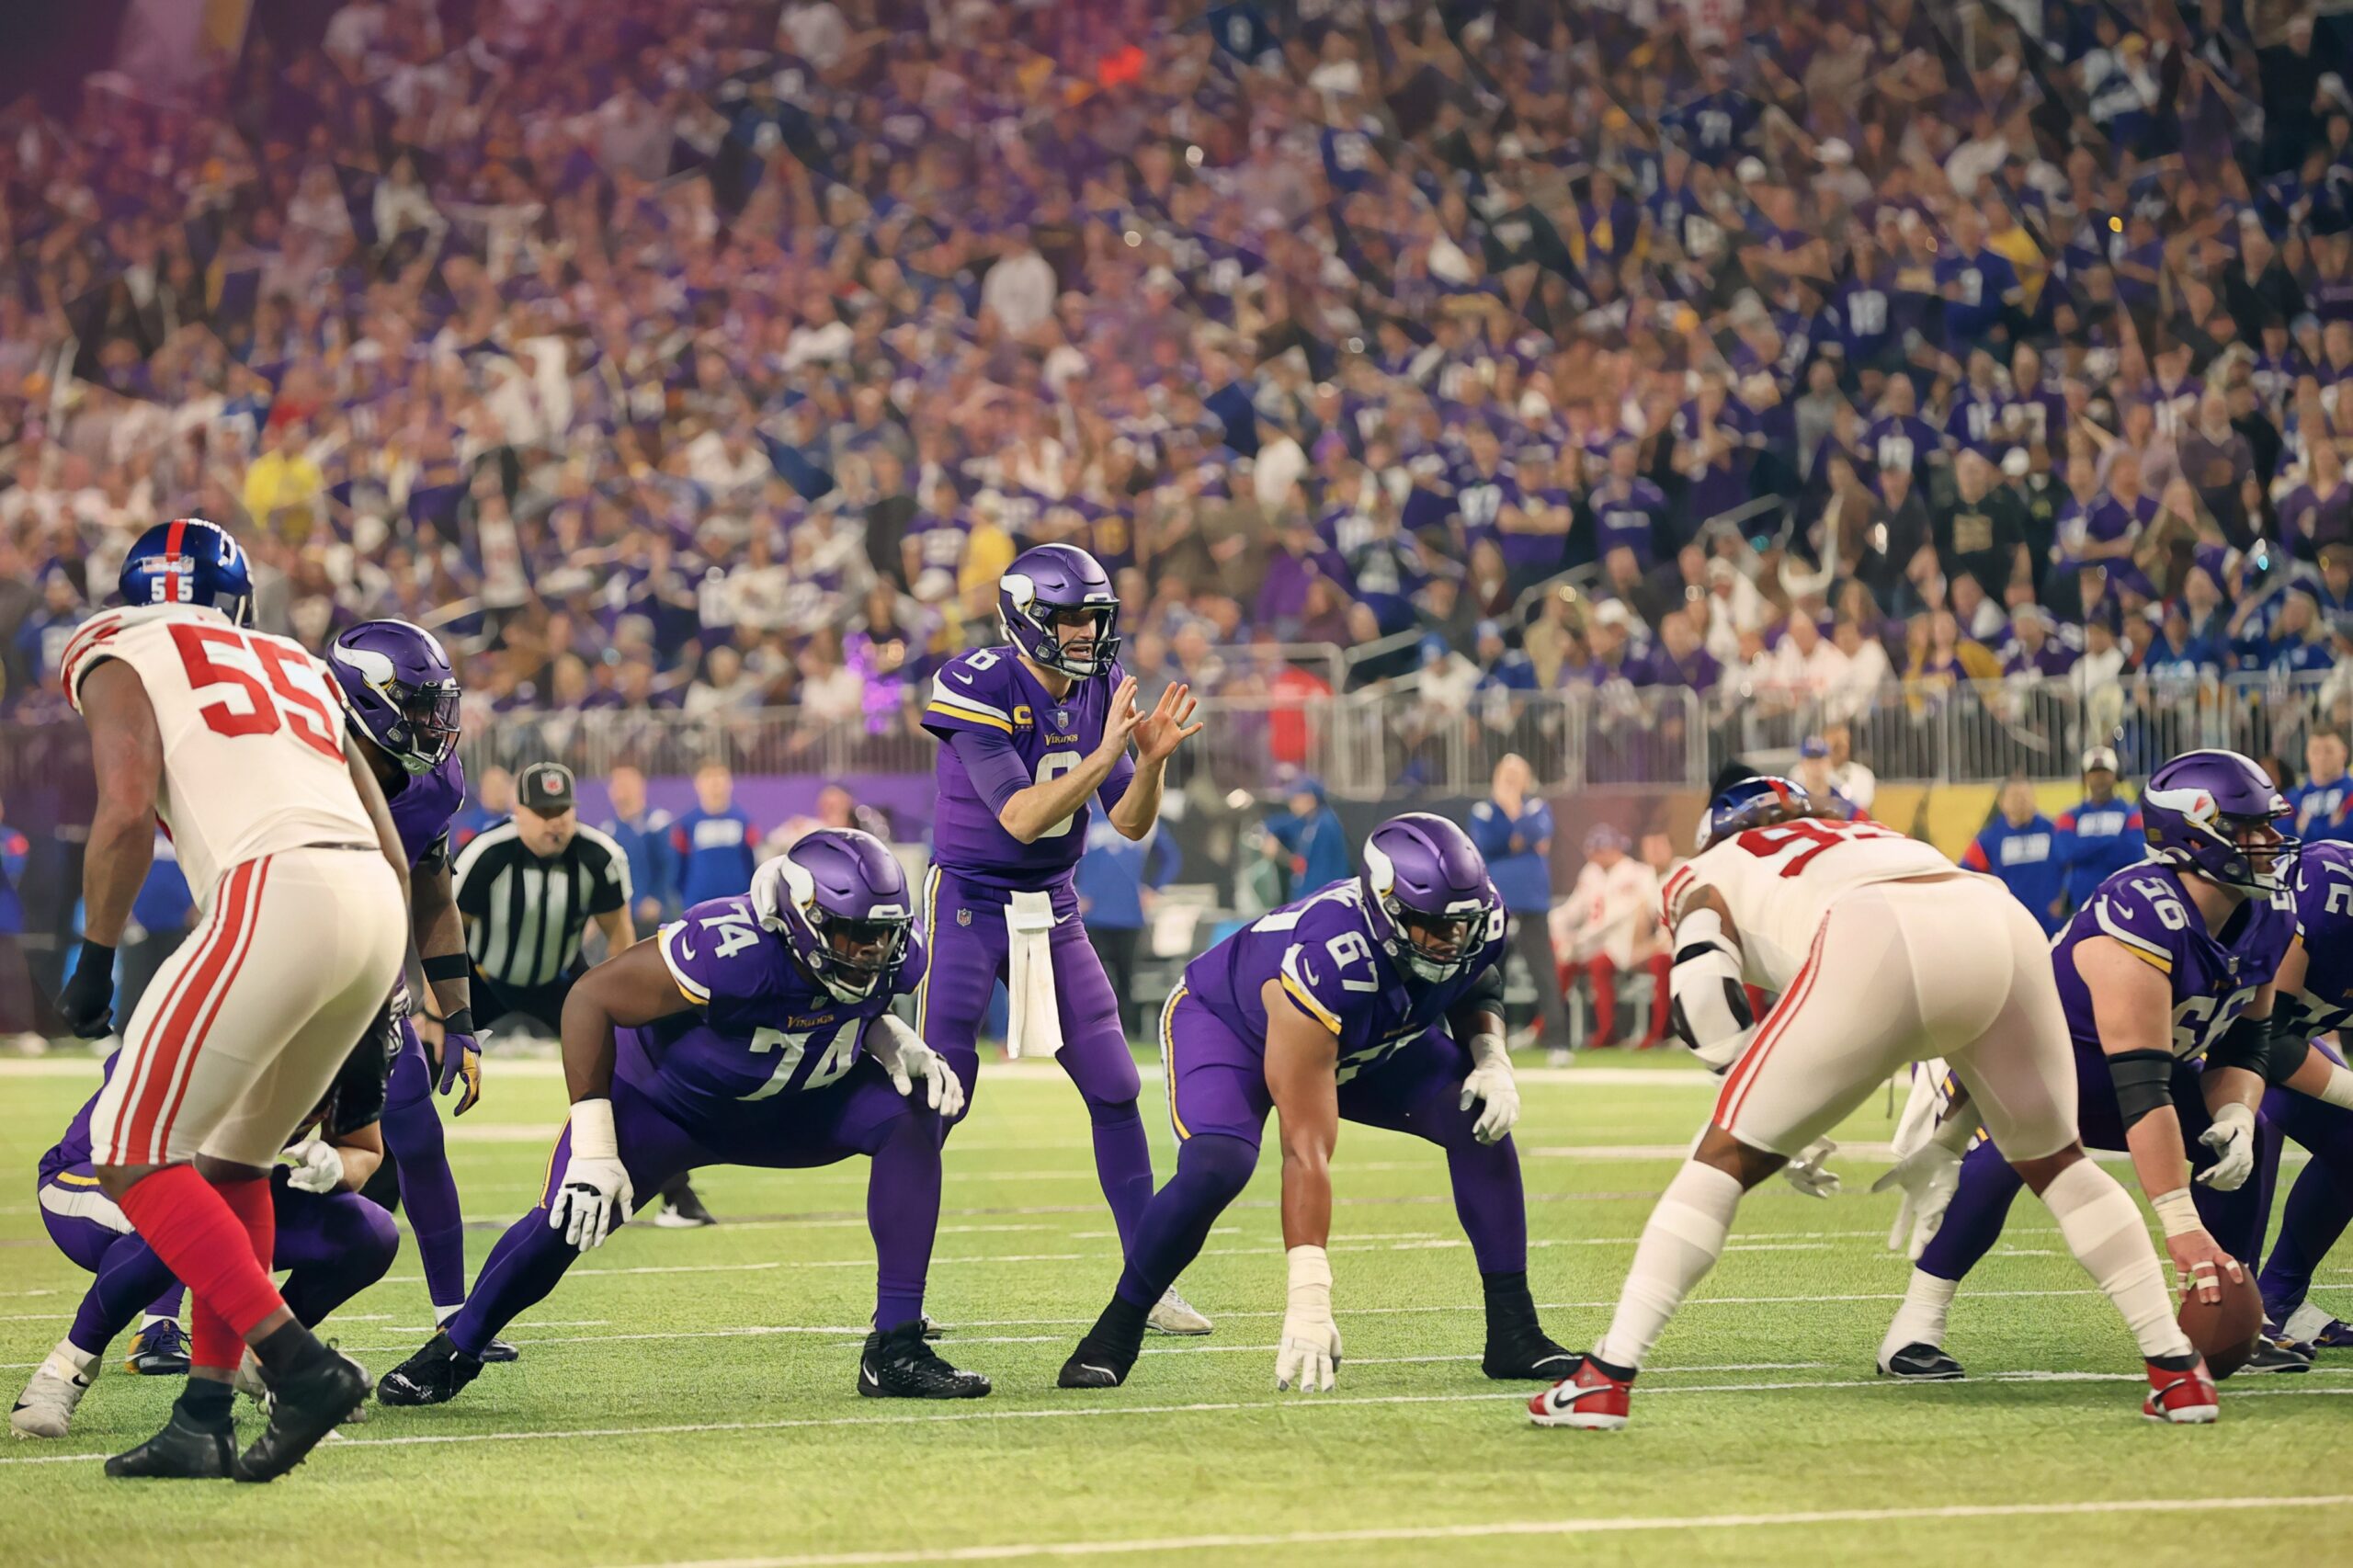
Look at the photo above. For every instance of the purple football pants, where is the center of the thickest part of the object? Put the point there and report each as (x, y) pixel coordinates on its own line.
(411, 1131)
(335, 1243)
(861, 1114)
(2320, 1204)
(963, 926)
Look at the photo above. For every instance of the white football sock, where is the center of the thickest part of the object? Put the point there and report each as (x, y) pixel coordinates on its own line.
(2102, 1227)
(1681, 1242)
(73, 1363)
(1928, 1301)
(149, 1320)
(443, 1315)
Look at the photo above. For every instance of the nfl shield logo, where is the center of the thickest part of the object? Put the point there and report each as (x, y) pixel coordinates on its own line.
(963, 918)
(1061, 718)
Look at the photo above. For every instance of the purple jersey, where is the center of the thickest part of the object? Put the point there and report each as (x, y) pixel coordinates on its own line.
(2324, 884)
(1000, 731)
(423, 809)
(1321, 950)
(760, 1028)
(2214, 976)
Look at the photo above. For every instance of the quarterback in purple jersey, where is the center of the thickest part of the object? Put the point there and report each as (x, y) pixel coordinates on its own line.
(754, 1030)
(2167, 976)
(1029, 732)
(2309, 1100)
(402, 697)
(334, 1243)
(1378, 1000)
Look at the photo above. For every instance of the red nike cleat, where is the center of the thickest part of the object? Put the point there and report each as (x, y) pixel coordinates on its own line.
(2185, 1399)
(1588, 1398)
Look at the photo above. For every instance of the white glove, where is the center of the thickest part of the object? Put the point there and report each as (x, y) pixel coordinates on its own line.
(1491, 1083)
(906, 1057)
(2232, 1140)
(313, 1166)
(1309, 1356)
(1807, 1173)
(1928, 1176)
(595, 1195)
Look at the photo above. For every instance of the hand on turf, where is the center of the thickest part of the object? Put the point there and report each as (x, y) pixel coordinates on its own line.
(1808, 1173)
(1927, 1177)
(2232, 1140)
(461, 1058)
(313, 1166)
(1308, 1359)
(595, 1197)
(87, 1002)
(2201, 1265)
(1491, 1085)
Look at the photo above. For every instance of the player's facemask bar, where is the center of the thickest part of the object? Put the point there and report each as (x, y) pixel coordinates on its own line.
(858, 955)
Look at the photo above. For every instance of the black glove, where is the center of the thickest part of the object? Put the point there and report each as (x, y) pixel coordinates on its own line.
(87, 1001)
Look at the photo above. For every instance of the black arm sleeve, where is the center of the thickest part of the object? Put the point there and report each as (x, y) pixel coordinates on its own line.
(1487, 993)
(2289, 1045)
(356, 1098)
(2143, 1082)
(2245, 1044)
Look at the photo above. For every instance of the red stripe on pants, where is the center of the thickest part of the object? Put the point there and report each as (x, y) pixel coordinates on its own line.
(210, 1003)
(1736, 1088)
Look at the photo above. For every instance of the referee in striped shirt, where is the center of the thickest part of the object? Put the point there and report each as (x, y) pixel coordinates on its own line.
(528, 889)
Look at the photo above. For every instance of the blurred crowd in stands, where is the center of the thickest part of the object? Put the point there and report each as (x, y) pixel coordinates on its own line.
(719, 353)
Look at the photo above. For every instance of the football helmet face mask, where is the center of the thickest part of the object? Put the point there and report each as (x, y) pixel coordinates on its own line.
(1427, 895)
(1052, 587)
(399, 690)
(2216, 812)
(838, 897)
(188, 561)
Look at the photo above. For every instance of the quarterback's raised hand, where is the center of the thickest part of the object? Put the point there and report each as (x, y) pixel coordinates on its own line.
(905, 1057)
(1158, 733)
(595, 1195)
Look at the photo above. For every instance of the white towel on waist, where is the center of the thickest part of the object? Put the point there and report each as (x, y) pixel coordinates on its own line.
(1034, 1024)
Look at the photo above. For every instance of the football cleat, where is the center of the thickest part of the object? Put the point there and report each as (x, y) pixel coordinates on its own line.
(682, 1211)
(499, 1350)
(46, 1407)
(249, 1382)
(2277, 1356)
(2312, 1328)
(900, 1364)
(159, 1350)
(1091, 1366)
(933, 1328)
(1173, 1315)
(1922, 1364)
(1588, 1398)
(1525, 1357)
(178, 1452)
(304, 1406)
(2185, 1398)
(434, 1375)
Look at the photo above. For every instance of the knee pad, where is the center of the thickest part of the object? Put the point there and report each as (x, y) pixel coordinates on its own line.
(1217, 1161)
(1112, 1113)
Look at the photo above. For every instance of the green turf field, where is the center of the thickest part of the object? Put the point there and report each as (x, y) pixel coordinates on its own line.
(686, 1397)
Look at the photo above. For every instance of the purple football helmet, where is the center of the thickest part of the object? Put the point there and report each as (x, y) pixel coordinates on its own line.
(838, 897)
(398, 687)
(2194, 808)
(1428, 896)
(1051, 586)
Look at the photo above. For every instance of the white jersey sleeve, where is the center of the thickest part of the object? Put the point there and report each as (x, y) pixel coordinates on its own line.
(1779, 882)
(252, 729)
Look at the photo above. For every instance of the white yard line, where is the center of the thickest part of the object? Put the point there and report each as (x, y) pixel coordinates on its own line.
(1623, 1525)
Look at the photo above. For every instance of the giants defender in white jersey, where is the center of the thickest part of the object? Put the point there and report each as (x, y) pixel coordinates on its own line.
(234, 741)
(1885, 953)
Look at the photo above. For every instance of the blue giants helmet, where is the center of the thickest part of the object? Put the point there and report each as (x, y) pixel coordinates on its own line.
(1428, 897)
(1045, 587)
(399, 690)
(188, 561)
(1756, 802)
(838, 897)
(2194, 808)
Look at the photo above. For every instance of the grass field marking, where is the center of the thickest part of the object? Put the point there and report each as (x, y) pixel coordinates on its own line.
(1623, 1525)
(1078, 1412)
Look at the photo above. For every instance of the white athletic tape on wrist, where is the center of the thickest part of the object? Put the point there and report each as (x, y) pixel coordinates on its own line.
(2177, 1211)
(1311, 1281)
(2338, 1090)
(1489, 1050)
(592, 1130)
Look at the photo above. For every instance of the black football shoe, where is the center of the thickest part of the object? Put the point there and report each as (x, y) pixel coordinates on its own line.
(1107, 1354)
(1519, 1350)
(1922, 1364)
(900, 1364)
(304, 1406)
(181, 1451)
(2277, 1359)
(435, 1375)
(499, 1350)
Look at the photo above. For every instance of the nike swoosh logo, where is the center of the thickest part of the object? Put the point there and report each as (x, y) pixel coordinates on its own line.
(868, 1373)
(1091, 1367)
(959, 675)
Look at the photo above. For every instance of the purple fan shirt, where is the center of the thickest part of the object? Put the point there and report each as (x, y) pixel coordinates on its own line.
(759, 1029)
(1000, 732)
(1321, 948)
(2214, 976)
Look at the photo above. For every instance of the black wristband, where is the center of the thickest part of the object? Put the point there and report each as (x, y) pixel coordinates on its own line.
(447, 966)
(97, 953)
(2143, 1082)
(460, 1021)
